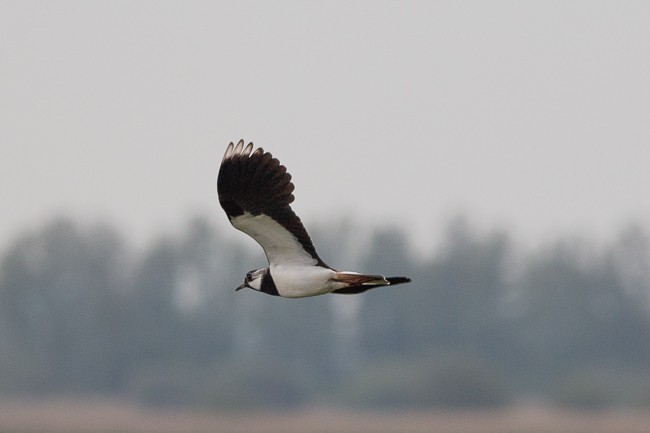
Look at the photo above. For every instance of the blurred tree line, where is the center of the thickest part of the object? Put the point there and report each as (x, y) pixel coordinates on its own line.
(483, 323)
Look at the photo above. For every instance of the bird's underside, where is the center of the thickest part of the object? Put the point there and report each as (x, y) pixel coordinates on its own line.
(256, 191)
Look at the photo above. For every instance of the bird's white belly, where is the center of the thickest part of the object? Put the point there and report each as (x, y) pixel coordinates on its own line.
(295, 281)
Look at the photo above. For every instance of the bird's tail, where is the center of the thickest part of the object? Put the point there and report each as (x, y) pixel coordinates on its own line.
(397, 280)
(357, 283)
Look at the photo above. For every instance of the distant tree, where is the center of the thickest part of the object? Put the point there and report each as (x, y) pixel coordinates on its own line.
(577, 311)
(80, 311)
(468, 286)
(456, 298)
(155, 327)
(60, 300)
(630, 256)
(385, 313)
(204, 290)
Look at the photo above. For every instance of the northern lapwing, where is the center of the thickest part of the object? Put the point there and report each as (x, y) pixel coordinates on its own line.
(256, 191)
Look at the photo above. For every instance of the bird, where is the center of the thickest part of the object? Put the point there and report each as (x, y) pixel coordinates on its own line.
(256, 193)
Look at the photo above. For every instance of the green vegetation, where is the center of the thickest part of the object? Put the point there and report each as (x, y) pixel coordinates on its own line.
(483, 322)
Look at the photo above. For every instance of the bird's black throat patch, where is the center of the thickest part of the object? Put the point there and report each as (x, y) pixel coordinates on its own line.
(268, 285)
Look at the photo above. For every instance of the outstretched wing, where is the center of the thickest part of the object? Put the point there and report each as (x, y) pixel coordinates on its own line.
(255, 190)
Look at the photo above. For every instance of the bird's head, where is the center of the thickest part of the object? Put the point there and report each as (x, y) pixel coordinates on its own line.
(254, 279)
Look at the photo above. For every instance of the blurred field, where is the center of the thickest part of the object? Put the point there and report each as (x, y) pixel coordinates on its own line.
(109, 416)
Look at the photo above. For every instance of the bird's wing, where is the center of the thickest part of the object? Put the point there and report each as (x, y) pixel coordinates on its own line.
(255, 190)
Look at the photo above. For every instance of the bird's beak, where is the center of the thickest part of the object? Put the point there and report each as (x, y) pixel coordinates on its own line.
(241, 287)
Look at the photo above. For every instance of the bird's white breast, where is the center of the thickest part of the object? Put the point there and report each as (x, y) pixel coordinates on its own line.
(296, 281)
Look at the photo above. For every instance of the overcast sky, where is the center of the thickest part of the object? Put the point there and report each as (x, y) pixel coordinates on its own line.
(533, 116)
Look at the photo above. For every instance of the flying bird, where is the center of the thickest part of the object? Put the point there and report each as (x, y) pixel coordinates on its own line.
(256, 191)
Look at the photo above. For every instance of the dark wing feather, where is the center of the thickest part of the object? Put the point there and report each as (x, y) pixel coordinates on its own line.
(253, 186)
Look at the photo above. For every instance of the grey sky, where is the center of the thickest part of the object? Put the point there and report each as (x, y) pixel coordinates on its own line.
(530, 115)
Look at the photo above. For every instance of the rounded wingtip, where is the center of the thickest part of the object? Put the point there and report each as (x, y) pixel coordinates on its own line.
(239, 149)
(229, 151)
(248, 149)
